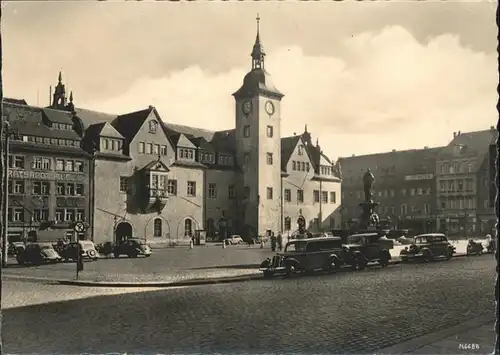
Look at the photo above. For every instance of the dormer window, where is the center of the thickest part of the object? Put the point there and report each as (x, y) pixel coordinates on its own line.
(111, 144)
(185, 153)
(225, 159)
(206, 157)
(153, 126)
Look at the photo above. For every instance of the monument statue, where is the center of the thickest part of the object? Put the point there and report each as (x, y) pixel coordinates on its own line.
(368, 181)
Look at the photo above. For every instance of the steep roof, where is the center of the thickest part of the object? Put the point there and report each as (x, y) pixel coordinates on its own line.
(405, 162)
(193, 131)
(28, 120)
(470, 144)
(224, 141)
(15, 101)
(288, 144)
(57, 116)
(89, 117)
(130, 123)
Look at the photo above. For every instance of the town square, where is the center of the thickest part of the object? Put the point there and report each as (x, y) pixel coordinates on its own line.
(249, 178)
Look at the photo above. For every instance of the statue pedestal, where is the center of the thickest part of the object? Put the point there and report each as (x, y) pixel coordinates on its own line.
(368, 210)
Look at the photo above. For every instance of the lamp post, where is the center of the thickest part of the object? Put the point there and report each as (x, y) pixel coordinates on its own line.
(7, 132)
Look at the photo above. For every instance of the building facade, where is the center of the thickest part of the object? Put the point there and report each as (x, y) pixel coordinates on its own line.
(463, 178)
(144, 177)
(48, 171)
(405, 188)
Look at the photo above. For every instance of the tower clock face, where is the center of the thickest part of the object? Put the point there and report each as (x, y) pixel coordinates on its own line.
(269, 107)
(247, 107)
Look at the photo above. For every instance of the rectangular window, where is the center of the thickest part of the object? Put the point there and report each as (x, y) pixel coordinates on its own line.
(294, 165)
(316, 195)
(412, 192)
(191, 188)
(123, 183)
(149, 148)
(154, 181)
(69, 215)
(391, 192)
(270, 131)
(246, 131)
(37, 163)
(212, 190)
(302, 166)
(308, 167)
(40, 215)
(269, 158)
(141, 147)
(80, 215)
(156, 149)
(18, 215)
(300, 196)
(79, 166)
(59, 215)
(70, 189)
(163, 150)
(333, 197)
(269, 193)
(68, 166)
(45, 187)
(231, 192)
(324, 196)
(60, 189)
(113, 145)
(59, 164)
(19, 187)
(37, 188)
(79, 189)
(46, 163)
(106, 143)
(16, 162)
(246, 158)
(404, 209)
(172, 187)
(427, 208)
(288, 195)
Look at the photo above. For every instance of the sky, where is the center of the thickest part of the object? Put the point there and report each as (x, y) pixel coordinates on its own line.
(366, 77)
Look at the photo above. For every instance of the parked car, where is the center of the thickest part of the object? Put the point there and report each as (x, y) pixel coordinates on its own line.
(305, 255)
(37, 253)
(14, 247)
(87, 250)
(132, 248)
(361, 249)
(427, 247)
(234, 239)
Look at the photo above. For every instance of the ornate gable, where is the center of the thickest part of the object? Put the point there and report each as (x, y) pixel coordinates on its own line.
(184, 142)
(156, 165)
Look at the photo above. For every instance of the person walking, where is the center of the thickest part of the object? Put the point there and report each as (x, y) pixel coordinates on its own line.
(280, 242)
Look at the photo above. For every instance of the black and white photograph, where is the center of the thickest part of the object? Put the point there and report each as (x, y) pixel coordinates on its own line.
(249, 177)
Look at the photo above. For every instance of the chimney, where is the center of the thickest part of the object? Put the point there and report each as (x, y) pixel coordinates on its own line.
(426, 147)
(454, 134)
(151, 107)
(353, 155)
(393, 150)
(458, 133)
(294, 133)
(492, 128)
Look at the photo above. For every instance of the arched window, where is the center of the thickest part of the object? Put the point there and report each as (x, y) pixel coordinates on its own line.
(157, 228)
(188, 227)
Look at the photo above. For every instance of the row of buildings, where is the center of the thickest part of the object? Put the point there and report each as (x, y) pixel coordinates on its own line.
(136, 175)
(450, 189)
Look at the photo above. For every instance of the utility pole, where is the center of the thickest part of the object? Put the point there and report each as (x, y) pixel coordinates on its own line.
(5, 192)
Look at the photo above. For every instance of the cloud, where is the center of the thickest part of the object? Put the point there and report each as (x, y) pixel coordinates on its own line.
(387, 91)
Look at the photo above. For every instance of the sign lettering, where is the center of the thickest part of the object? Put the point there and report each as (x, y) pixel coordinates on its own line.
(40, 175)
(419, 177)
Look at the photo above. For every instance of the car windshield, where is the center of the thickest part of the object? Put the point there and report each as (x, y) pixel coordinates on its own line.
(355, 239)
(45, 246)
(296, 247)
(138, 241)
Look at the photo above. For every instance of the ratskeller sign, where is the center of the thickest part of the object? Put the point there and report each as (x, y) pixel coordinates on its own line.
(50, 175)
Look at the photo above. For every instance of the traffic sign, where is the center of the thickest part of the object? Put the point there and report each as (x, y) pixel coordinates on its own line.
(79, 227)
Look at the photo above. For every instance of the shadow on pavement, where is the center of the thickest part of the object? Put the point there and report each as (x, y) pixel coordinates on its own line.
(243, 266)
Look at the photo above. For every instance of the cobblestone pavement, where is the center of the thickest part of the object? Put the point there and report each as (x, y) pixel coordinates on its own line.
(355, 312)
(165, 265)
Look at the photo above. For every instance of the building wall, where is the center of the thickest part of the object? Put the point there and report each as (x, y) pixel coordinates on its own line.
(222, 205)
(269, 175)
(28, 202)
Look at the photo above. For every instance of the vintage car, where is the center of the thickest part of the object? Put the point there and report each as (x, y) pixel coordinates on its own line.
(233, 239)
(37, 253)
(132, 247)
(427, 247)
(364, 248)
(305, 255)
(14, 247)
(87, 250)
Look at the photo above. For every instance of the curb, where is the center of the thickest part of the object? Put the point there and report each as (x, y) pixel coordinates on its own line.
(419, 342)
(192, 282)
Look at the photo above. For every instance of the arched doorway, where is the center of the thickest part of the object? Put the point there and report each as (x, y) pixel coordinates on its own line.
(188, 227)
(157, 228)
(123, 231)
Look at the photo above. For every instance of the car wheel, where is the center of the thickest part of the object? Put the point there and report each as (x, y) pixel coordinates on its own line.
(290, 269)
(427, 257)
(116, 255)
(333, 264)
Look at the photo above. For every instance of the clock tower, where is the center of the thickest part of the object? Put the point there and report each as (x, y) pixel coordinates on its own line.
(258, 147)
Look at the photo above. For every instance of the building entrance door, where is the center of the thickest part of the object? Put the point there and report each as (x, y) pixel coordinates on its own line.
(123, 231)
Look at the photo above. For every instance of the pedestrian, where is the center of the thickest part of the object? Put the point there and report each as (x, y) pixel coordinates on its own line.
(273, 242)
(280, 242)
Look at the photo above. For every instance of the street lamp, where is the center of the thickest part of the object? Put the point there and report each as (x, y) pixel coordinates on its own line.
(7, 131)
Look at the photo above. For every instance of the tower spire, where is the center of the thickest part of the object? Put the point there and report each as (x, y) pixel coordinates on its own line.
(60, 77)
(258, 53)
